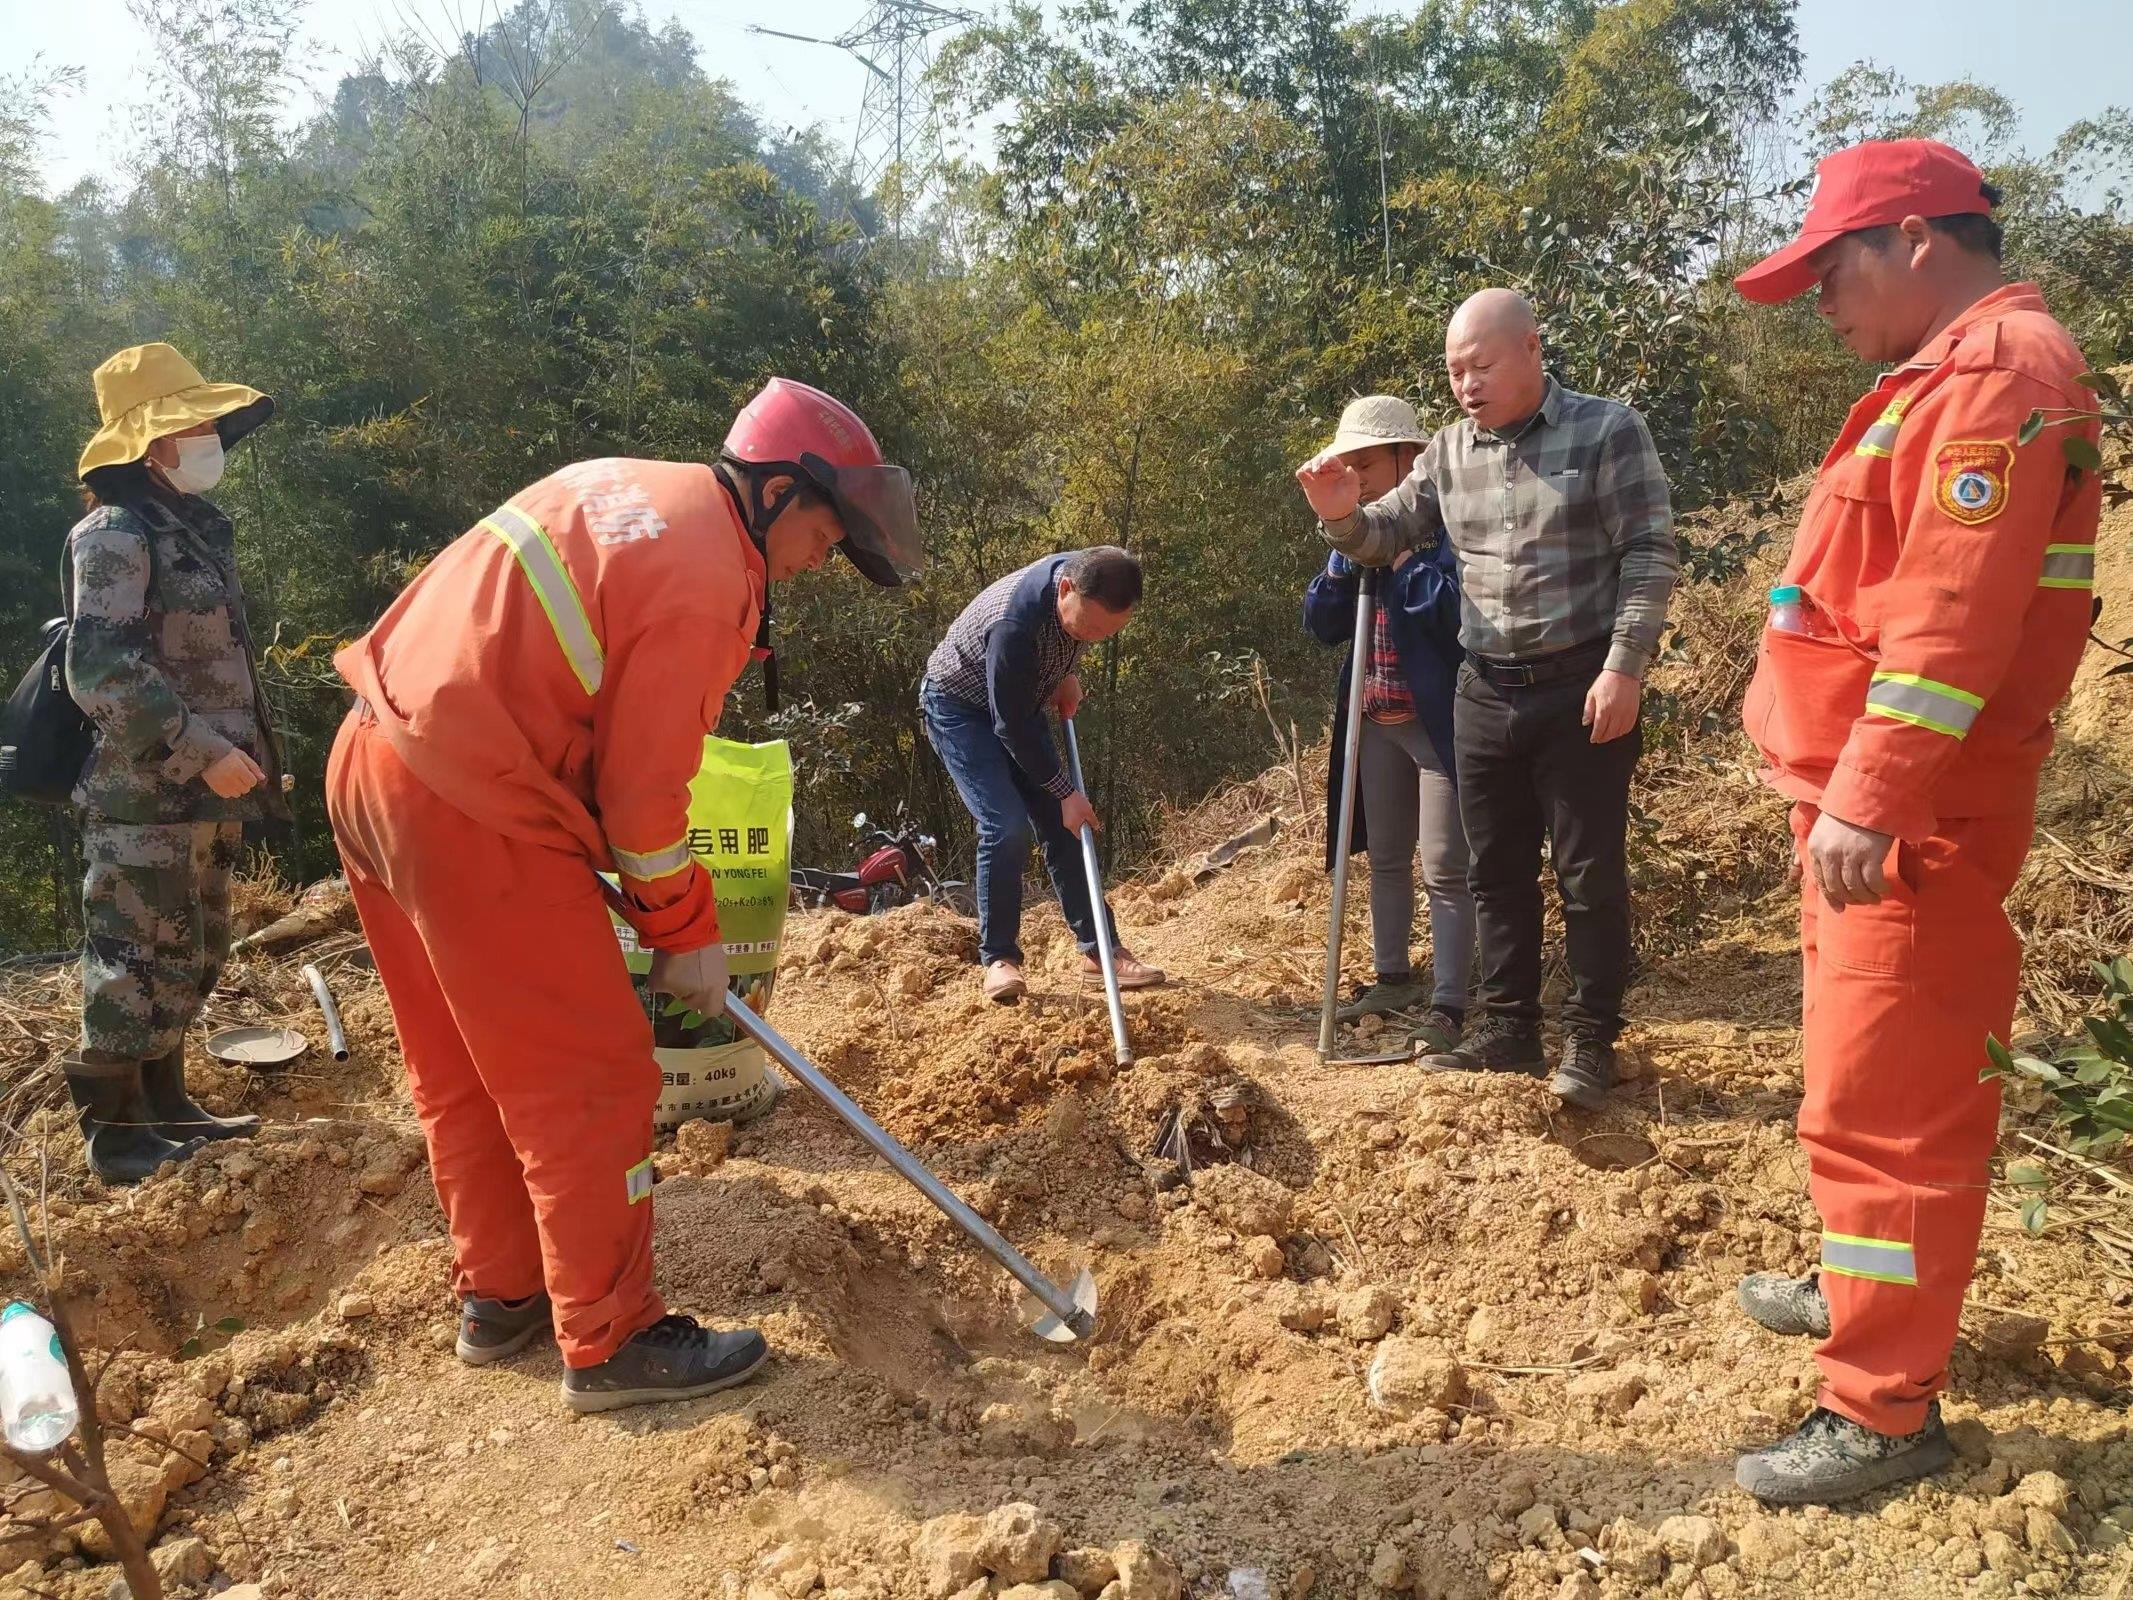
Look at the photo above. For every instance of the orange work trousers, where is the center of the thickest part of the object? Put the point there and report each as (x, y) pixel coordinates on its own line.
(528, 1054)
(1899, 1000)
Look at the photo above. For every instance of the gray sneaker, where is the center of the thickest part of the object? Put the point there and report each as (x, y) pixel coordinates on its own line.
(1830, 1458)
(1382, 999)
(674, 1359)
(1785, 1305)
(489, 1330)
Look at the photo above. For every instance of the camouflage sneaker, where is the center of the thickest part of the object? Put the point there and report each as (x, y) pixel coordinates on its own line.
(1830, 1458)
(1438, 1033)
(1383, 998)
(1586, 1072)
(1494, 1044)
(1785, 1305)
(489, 1330)
(674, 1359)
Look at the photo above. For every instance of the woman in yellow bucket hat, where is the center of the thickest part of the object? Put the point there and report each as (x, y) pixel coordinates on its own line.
(160, 660)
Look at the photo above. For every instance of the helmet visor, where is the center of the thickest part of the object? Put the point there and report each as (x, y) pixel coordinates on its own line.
(880, 517)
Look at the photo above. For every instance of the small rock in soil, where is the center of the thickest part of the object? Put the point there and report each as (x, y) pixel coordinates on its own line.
(1016, 1544)
(1388, 1567)
(1264, 1253)
(703, 1142)
(1244, 1201)
(1143, 1574)
(2047, 1491)
(1367, 1313)
(355, 1306)
(1407, 1376)
(1697, 1541)
(947, 1552)
(1088, 1570)
(2004, 1556)
(1612, 1394)
(183, 1561)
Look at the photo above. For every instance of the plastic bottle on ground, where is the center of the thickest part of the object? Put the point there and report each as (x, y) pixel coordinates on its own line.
(37, 1407)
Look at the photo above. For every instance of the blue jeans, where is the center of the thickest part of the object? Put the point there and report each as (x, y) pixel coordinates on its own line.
(1008, 809)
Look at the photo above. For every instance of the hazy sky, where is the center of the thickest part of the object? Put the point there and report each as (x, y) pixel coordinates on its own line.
(2059, 60)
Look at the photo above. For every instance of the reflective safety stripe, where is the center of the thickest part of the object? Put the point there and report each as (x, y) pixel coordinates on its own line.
(658, 864)
(543, 566)
(1923, 703)
(639, 1181)
(1883, 1260)
(1880, 439)
(2069, 566)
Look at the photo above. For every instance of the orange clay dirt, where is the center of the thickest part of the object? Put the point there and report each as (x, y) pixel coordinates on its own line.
(1541, 1302)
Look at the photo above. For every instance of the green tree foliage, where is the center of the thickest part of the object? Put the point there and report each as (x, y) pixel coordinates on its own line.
(482, 257)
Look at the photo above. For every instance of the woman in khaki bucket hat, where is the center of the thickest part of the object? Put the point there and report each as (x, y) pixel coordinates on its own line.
(159, 658)
(1405, 792)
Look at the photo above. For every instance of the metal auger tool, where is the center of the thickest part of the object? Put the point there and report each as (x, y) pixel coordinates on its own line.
(1104, 955)
(1069, 1315)
(1366, 597)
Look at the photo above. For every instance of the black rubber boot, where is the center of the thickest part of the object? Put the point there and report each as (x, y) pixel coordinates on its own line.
(123, 1144)
(172, 1110)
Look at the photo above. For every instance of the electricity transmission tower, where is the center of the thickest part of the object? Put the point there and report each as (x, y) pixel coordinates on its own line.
(896, 118)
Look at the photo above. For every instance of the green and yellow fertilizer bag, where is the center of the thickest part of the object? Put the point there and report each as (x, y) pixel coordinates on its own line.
(740, 828)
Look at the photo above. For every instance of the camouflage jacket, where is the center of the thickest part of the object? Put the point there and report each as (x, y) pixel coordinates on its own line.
(160, 660)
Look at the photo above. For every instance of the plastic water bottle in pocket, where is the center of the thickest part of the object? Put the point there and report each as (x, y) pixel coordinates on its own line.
(1792, 612)
(37, 1406)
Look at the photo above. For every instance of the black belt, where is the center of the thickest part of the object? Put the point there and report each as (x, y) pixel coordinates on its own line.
(1571, 663)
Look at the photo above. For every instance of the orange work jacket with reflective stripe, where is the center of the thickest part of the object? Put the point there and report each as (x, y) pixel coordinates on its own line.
(1954, 566)
(553, 672)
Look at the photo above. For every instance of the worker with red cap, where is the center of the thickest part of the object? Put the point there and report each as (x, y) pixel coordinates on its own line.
(1927, 622)
(530, 712)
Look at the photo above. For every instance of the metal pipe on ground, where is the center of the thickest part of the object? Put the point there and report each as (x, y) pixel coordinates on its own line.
(336, 1038)
(1070, 1314)
(1105, 955)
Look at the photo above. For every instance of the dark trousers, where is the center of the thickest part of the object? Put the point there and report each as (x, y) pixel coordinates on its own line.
(1007, 808)
(1528, 770)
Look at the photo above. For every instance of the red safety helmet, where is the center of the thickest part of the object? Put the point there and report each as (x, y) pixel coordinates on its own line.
(792, 428)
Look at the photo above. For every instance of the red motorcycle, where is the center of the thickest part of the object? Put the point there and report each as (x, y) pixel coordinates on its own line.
(896, 869)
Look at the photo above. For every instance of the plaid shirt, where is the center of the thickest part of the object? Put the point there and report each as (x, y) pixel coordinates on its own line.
(1563, 530)
(1386, 697)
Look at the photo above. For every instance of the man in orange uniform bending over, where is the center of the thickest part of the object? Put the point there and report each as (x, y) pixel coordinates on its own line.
(530, 712)
(1905, 707)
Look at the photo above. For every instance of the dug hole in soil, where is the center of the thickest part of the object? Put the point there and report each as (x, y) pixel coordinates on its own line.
(1399, 1333)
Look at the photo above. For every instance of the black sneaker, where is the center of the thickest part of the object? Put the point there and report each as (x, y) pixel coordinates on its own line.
(1586, 1072)
(1495, 1043)
(1830, 1458)
(489, 1330)
(674, 1359)
(1785, 1305)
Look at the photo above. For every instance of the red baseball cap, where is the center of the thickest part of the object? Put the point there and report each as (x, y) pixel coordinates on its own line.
(1870, 185)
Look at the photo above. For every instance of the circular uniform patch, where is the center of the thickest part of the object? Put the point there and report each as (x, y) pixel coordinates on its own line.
(1970, 478)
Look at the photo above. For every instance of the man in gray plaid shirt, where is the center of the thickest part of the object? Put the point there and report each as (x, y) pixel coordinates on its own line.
(1557, 508)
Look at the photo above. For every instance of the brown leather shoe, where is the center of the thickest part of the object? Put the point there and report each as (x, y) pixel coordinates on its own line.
(1133, 973)
(1004, 983)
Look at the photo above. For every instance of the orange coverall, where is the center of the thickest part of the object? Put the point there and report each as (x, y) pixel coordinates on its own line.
(1954, 566)
(531, 711)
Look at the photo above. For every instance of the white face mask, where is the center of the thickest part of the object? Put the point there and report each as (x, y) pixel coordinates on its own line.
(199, 466)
